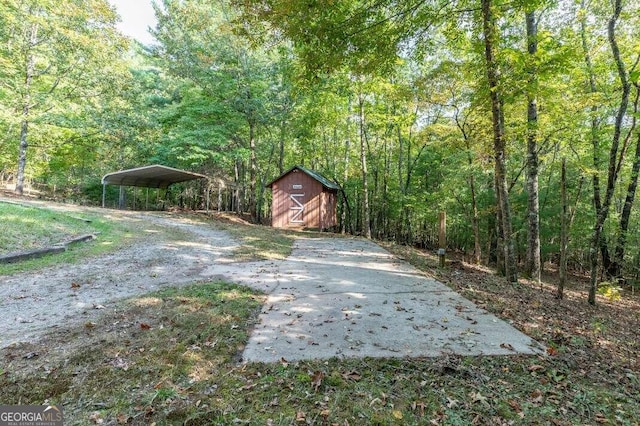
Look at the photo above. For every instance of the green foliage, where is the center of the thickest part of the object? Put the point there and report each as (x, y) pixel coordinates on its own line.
(57, 61)
(611, 291)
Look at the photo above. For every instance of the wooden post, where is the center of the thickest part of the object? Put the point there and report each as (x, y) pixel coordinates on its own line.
(442, 240)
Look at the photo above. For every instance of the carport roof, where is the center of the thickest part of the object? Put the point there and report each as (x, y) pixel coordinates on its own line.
(155, 176)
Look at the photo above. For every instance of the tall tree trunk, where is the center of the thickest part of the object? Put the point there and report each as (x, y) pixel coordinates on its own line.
(564, 238)
(26, 110)
(475, 222)
(595, 138)
(612, 176)
(533, 246)
(281, 147)
(500, 248)
(618, 263)
(237, 196)
(511, 270)
(253, 172)
(366, 220)
(475, 219)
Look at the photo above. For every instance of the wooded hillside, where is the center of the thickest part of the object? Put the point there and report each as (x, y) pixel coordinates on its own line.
(519, 119)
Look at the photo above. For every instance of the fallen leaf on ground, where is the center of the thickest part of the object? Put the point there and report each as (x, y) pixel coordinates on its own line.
(537, 397)
(316, 379)
(145, 326)
(600, 418)
(352, 375)
(477, 397)
(451, 403)
(420, 405)
(397, 414)
(515, 405)
(96, 418)
(506, 346)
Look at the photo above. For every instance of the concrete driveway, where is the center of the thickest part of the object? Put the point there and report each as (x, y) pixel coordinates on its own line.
(338, 297)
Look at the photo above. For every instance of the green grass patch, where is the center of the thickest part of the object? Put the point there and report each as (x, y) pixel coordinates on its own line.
(258, 242)
(24, 228)
(148, 359)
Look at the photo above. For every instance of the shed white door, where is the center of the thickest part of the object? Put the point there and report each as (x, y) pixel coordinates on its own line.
(296, 209)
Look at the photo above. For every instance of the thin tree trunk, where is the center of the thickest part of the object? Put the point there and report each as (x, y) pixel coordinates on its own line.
(533, 246)
(281, 148)
(236, 189)
(475, 219)
(499, 147)
(26, 110)
(253, 172)
(345, 208)
(500, 249)
(475, 222)
(612, 176)
(595, 138)
(564, 238)
(366, 225)
(628, 203)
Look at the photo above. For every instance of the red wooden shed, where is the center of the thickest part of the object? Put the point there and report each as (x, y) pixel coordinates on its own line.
(303, 198)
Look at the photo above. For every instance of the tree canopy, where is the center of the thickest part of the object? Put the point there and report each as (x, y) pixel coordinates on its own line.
(414, 107)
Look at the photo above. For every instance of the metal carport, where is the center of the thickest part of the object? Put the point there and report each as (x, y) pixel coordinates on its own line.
(154, 176)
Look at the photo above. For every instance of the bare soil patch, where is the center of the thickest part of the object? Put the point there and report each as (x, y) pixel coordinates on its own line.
(171, 251)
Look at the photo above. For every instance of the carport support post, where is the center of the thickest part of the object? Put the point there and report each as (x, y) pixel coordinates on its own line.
(121, 198)
(442, 216)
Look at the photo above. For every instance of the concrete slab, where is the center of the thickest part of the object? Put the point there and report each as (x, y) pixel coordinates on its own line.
(339, 297)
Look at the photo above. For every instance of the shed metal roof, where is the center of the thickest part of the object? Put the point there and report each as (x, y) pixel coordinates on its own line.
(315, 175)
(155, 176)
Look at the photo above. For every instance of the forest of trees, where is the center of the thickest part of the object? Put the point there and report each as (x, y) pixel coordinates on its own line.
(517, 118)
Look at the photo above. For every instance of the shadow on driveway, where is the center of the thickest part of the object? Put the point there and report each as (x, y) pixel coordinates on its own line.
(339, 297)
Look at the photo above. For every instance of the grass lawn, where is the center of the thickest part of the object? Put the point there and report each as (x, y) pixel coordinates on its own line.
(172, 357)
(24, 228)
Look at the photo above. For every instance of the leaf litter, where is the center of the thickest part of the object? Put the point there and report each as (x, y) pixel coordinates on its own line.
(590, 374)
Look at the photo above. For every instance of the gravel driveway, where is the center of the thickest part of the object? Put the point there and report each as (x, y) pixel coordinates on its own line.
(333, 297)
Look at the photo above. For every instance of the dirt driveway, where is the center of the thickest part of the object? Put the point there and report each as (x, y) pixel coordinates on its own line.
(185, 252)
(332, 297)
